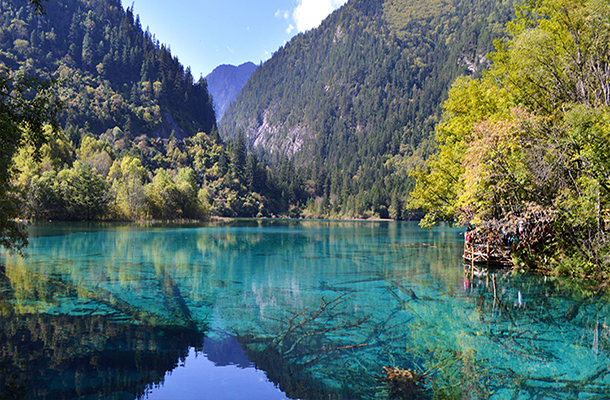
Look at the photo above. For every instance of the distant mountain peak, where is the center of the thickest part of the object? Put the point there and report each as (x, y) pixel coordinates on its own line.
(225, 82)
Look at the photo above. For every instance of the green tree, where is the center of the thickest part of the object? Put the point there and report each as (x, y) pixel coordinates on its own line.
(126, 179)
(84, 193)
(440, 184)
(239, 152)
(97, 153)
(58, 151)
(540, 154)
(163, 196)
(26, 105)
(190, 204)
(44, 200)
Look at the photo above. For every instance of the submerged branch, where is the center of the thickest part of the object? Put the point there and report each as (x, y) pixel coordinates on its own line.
(293, 325)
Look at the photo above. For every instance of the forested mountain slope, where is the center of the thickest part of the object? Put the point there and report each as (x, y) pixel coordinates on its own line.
(112, 73)
(137, 137)
(354, 102)
(225, 82)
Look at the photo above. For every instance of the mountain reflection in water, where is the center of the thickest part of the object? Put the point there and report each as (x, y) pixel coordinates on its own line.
(288, 309)
(221, 371)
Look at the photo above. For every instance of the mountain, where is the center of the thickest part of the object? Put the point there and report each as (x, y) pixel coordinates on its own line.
(335, 117)
(225, 82)
(138, 137)
(111, 72)
(355, 101)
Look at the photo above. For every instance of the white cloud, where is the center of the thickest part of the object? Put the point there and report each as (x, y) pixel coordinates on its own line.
(289, 29)
(309, 13)
(282, 14)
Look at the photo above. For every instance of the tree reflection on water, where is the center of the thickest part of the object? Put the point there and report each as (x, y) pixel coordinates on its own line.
(100, 346)
(64, 357)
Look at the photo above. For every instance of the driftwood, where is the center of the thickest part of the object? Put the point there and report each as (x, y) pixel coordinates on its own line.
(175, 301)
(301, 326)
(305, 337)
(301, 329)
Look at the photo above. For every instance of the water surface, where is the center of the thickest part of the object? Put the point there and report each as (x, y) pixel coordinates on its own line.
(287, 310)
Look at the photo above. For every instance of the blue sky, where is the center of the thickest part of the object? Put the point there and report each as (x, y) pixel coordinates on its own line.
(206, 33)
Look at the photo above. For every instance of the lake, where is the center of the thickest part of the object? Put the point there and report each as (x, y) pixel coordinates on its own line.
(267, 309)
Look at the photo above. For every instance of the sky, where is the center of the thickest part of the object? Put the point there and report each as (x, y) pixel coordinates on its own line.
(204, 34)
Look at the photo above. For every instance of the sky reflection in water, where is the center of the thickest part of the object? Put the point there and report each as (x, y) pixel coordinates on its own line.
(201, 377)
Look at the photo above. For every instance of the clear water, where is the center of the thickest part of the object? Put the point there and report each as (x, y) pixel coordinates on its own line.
(288, 310)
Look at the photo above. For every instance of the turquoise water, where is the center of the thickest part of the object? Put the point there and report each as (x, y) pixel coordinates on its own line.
(287, 310)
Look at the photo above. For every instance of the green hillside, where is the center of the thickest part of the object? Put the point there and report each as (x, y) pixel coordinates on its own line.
(113, 73)
(137, 138)
(353, 103)
(335, 118)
